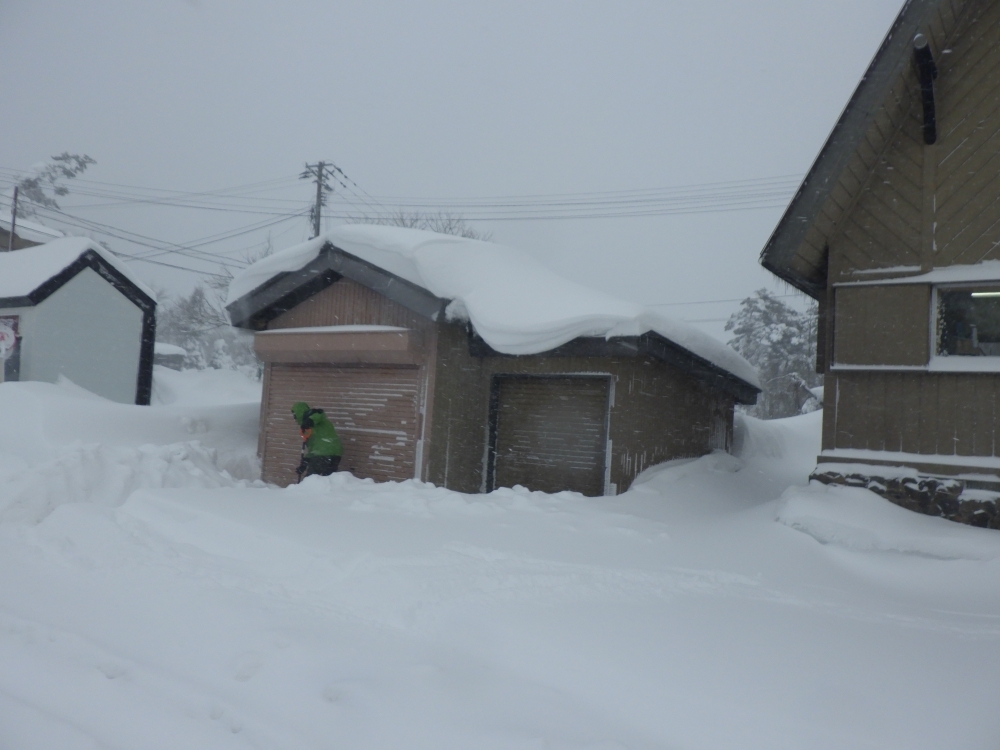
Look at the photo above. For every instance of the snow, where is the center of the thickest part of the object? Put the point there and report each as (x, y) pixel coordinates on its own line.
(987, 270)
(23, 271)
(885, 269)
(153, 601)
(515, 303)
(857, 519)
(205, 388)
(169, 349)
(959, 363)
(30, 230)
(909, 459)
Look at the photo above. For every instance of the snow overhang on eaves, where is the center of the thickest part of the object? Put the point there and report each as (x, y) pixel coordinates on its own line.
(285, 290)
(785, 254)
(649, 344)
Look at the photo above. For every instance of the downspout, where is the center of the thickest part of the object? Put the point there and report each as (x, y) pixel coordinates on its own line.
(926, 71)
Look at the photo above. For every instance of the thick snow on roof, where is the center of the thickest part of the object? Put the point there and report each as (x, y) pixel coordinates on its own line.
(23, 271)
(31, 231)
(169, 350)
(988, 270)
(515, 303)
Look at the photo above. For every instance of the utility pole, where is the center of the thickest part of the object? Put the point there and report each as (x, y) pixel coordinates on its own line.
(13, 221)
(319, 172)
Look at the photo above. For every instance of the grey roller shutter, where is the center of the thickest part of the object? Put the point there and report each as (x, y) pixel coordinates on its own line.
(375, 411)
(550, 433)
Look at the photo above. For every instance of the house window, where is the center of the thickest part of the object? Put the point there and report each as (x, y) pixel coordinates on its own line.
(968, 322)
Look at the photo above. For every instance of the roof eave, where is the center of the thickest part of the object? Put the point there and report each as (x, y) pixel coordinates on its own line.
(649, 344)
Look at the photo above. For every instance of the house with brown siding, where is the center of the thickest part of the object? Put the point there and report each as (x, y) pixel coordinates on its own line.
(896, 232)
(470, 365)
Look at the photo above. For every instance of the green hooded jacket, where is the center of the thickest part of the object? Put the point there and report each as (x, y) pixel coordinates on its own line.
(319, 433)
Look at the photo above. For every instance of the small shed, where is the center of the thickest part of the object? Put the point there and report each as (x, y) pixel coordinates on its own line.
(78, 312)
(26, 234)
(895, 231)
(472, 366)
(169, 355)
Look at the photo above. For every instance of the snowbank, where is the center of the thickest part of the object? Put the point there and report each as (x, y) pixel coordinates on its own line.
(402, 615)
(515, 303)
(49, 429)
(209, 387)
(23, 271)
(858, 519)
(106, 476)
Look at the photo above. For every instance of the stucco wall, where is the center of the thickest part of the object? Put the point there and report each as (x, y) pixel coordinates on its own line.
(658, 412)
(90, 333)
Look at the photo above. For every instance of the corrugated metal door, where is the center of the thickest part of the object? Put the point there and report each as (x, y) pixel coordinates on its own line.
(375, 410)
(550, 433)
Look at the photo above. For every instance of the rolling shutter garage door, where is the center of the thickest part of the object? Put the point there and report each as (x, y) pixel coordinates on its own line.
(551, 433)
(375, 411)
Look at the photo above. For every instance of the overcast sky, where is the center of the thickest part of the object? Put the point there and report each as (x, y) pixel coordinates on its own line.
(439, 100)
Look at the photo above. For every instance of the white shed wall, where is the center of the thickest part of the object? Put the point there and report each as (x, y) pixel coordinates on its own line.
(87, 331)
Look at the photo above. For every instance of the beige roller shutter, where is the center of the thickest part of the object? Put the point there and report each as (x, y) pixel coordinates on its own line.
(375, 411)
(550, 433)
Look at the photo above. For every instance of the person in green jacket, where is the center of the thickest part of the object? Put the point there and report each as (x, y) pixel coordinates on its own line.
(321, 448)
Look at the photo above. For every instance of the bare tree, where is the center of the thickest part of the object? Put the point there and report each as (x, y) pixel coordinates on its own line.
(46, 181)
(442, 222)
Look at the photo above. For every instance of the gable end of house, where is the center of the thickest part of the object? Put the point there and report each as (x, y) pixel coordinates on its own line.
(286, 290)
(797, 250)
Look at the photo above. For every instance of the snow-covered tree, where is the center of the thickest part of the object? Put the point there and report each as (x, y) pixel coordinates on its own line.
(198, 323)
(781, 343)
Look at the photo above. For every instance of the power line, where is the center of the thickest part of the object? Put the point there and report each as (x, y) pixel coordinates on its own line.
(739, 195)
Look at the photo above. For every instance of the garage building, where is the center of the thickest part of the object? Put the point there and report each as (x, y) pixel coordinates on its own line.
(470, 365)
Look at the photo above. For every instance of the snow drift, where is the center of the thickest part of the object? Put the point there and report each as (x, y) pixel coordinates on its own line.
(151, 602)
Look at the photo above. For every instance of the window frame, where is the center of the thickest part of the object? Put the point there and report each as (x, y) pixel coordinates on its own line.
(957, 362)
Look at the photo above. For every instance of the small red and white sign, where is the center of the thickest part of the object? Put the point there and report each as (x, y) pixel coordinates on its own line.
(8, 336)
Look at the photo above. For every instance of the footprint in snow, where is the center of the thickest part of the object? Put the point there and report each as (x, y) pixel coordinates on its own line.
(246, 665)
(111, 670)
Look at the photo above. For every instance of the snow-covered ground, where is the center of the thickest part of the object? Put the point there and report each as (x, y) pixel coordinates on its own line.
(153, 595)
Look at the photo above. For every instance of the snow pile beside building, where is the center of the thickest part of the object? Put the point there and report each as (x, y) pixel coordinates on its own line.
(515, 303)
(208, 387)
(107, 476)
(63, 440)
(861, 520)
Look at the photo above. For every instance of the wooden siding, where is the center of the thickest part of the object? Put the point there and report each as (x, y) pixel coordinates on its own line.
(347, 302)
(967, 190)
(913, 412)
(903, 203)
(551, 433)
(658, 412)
(875, 215)
(920, 206)
(374, 409)
(882, 325)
